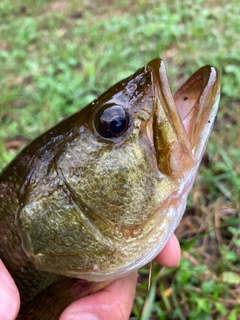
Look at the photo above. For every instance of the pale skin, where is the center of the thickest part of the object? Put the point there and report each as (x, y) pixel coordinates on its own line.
(113, 302)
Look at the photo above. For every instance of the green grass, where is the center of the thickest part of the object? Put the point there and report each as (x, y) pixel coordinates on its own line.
(56, 56)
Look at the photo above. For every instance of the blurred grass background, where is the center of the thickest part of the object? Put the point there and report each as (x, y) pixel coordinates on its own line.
(57, 56)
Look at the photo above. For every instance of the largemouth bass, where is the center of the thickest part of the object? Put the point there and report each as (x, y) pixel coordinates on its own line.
(99, 195)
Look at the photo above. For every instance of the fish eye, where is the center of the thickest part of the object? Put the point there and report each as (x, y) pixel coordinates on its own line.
(113, 121)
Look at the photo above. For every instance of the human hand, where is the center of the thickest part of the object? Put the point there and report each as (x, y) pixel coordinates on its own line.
(114, 301)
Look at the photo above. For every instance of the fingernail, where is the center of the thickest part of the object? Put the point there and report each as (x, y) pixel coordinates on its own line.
(82, 316)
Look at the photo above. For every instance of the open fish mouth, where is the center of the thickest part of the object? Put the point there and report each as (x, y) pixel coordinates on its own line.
(182, 124)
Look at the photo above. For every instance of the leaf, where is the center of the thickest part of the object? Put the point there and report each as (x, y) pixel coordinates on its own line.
(231, 277)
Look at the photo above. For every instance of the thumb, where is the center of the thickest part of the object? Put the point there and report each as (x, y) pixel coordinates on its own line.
(9, 295)
(113, 302)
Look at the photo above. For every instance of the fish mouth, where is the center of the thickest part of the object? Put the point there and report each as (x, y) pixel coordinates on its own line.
(182, 123)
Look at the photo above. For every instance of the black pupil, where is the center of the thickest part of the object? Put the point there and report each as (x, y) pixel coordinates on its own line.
(113, 121)
(117, 125)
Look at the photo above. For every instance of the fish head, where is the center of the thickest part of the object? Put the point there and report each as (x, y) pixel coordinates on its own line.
(107, 190)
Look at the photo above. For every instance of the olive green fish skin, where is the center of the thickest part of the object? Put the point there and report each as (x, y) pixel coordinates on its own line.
(86, 202)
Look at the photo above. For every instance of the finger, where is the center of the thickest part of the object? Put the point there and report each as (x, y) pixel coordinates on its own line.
(9, 296)
(113, 302)
(171, 253)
